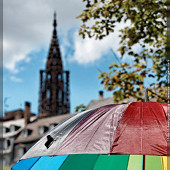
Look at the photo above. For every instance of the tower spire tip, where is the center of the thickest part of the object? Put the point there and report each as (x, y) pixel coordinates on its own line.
(55, 14)
(54, 22)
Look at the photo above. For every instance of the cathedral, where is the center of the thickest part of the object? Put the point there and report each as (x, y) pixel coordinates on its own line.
(54, 82)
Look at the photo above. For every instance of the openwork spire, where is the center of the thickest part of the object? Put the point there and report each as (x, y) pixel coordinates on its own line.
(54, 81)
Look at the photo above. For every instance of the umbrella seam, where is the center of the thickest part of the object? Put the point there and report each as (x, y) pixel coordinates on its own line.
(91, 112)
(34, 163)
(86, 127)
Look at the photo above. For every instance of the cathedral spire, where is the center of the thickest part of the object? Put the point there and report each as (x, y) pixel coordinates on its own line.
(54, 81)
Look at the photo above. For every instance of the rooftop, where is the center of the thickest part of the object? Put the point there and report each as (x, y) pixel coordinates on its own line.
(34, 127)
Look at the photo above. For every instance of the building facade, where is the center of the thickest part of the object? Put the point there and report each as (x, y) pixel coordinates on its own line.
(13, 124)
(54, 82)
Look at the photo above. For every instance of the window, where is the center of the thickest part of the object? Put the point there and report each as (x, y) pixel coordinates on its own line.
(6, 144)
(52, 126)
(5, 130)
(43, 86)
(54, 63)
(59, 94)
(42, 129)
(25, 133)
(54, 50)
(12, 128)
(49, 76)
(48, 94)
(59, 76)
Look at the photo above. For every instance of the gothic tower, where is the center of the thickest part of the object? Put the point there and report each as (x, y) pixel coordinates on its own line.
(54, 82)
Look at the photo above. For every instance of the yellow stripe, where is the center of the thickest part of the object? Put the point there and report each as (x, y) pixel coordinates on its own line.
(164, 162)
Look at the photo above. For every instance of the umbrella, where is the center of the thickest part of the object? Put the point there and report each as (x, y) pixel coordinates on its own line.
(117, 136)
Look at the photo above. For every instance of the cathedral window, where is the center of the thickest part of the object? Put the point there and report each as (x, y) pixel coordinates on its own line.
(54, 63)
(48, 94)
(59, 94)
(49, 76)
(54, 50)
(59, 76)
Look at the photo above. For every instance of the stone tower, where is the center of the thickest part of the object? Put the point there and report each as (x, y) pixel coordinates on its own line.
(54, 82)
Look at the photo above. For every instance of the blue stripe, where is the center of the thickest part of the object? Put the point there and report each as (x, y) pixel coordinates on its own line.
(49, 162)
(25, 164)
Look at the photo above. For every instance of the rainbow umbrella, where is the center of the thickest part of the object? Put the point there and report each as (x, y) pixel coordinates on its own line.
(117, 136)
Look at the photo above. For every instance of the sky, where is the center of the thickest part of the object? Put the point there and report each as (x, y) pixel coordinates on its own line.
(27, 32)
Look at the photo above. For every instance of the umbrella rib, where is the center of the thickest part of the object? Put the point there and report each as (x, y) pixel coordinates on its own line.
(94, 133)
(34, 163)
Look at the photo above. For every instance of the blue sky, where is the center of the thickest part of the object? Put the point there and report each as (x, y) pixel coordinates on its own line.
(27, 35)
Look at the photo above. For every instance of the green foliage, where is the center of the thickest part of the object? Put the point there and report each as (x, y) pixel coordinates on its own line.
(147, 29)
(80, 108)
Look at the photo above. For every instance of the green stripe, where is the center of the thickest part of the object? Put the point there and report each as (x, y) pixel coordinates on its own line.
(79, 162)
(153, 162)
(112, 162)
(135, 162)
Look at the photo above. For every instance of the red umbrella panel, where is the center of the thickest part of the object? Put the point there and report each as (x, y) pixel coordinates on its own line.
(142, 130)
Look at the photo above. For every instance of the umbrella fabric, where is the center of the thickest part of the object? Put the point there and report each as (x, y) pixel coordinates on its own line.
(93, 135)
(89, 132)
(93, 161)
(102, 137)
(142, 130)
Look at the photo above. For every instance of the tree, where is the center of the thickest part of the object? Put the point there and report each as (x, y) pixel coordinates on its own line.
(80, 108)
(147, 29)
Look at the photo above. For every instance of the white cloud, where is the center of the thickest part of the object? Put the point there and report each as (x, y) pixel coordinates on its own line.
(89, 50)
(15, 79)
(13, 54)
